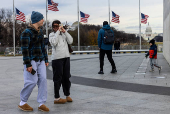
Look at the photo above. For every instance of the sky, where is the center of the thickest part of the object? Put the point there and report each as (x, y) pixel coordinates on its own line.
(128, 10)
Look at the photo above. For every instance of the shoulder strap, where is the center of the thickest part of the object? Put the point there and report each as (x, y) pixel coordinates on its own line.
(103, 29)
(107, 30)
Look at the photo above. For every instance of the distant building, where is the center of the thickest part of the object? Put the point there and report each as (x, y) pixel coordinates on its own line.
(74, 26)
(149, 35)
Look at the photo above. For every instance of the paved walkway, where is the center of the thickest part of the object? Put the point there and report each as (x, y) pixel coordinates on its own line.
(132, 90)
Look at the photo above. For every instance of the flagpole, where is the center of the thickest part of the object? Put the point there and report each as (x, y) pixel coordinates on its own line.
(78, 26)
(109, 10)
(14, 27)
(46, 22)
(46, 19)
(139, 25)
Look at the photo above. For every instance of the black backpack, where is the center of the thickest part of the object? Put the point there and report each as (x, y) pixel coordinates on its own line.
(108, 37)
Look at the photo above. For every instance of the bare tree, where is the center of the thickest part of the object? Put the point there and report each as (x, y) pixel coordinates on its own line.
(6, 28)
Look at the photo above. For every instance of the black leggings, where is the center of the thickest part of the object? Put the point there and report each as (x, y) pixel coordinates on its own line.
(109, 56)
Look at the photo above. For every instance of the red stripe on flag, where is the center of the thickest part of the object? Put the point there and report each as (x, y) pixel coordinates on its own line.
(115, 19)
(85, 20)
(144, 21)
(53, 7)
(21, 17)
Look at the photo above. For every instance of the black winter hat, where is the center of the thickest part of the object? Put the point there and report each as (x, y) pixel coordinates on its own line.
(105, 23)
(152, 41)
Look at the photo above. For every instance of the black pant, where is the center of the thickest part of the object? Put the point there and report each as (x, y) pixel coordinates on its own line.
(61, 75)
(109, 56)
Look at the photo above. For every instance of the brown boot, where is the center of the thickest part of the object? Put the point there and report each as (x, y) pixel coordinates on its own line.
(43, 108)
(60, 101)
(25, 107)
(69, 99)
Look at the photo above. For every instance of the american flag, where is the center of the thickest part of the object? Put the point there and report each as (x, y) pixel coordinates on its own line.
(20, 16)
(84, 17)
(115, 17)
(144, 18)
(52, 5)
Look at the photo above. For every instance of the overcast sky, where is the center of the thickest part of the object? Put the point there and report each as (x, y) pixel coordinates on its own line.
(128, 10)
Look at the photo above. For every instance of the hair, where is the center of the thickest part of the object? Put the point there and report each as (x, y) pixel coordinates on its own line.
(56, 22)
(105, 23)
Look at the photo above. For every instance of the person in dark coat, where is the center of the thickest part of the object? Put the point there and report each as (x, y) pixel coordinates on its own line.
(105, 49)
(117, 45)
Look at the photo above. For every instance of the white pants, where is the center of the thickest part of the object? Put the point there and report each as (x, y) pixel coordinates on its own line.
(30, 82)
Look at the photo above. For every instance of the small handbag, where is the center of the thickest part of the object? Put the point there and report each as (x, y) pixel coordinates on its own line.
(69, 48)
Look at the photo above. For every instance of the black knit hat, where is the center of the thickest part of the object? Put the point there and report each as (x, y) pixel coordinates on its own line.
(105, 23)
(152, 41)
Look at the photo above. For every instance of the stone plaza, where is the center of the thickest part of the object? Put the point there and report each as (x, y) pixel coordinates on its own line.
(132, 90)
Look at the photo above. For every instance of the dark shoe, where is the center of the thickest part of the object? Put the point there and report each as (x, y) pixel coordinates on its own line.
(69, 99)
(25, 107)
(61, 101)
(113, 71)
(43, 108)
(160, 68)
(100, 72)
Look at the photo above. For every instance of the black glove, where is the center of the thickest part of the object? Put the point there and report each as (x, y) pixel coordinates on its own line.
(152, 57)
(146, 56)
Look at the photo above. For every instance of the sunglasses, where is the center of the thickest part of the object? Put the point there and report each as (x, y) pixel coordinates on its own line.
(55, 26)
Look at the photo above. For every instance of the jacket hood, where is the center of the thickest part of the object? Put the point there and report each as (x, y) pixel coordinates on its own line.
(33, 28)
(106, 27)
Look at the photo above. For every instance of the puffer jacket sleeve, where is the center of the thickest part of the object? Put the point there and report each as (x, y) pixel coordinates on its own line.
(155, 50)
(99, 39)
(53, 38)
(69, 38)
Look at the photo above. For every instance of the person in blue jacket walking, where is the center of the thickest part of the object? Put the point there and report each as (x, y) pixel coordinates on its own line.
(105, 48)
